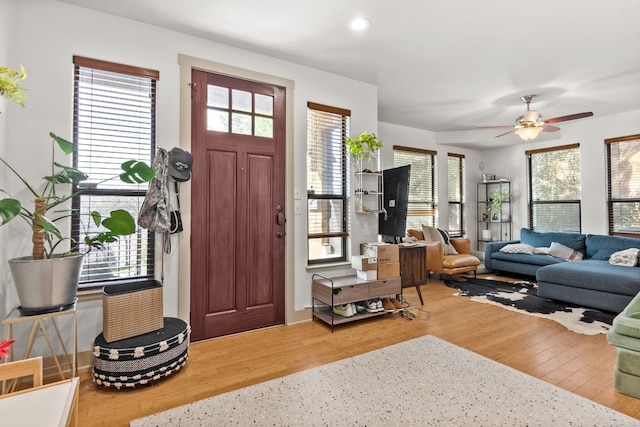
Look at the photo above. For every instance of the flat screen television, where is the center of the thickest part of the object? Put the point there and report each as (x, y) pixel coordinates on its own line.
(392, 221)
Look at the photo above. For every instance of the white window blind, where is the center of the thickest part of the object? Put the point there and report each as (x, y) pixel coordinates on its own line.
(623, 185)
(327, 128)
(422, 206)
(555, 190)
(456, 194)
(114, 121)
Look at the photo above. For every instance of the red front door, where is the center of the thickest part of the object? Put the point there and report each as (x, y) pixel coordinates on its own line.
(237, 222)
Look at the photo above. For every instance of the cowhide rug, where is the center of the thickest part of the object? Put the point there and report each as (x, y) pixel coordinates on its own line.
(523, 297)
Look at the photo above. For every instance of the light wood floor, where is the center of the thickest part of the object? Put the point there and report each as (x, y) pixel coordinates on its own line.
(539, 347)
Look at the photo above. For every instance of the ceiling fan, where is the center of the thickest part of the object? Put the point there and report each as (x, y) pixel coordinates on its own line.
(530, 124)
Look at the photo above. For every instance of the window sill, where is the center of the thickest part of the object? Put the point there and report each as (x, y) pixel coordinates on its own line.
(315, 267)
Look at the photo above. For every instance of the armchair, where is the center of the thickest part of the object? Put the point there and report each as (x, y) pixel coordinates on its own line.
(438, 262)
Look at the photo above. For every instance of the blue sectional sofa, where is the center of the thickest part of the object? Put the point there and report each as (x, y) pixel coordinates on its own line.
(590, 282)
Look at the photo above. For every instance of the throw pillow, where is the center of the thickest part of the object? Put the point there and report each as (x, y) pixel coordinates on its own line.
(626, 258)
(541, 251)
(566, 253)
(517, 248)
(432, 234)
(446, 239)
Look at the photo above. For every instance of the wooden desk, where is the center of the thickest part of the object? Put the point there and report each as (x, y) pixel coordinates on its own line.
(49, 405)
(413, 267)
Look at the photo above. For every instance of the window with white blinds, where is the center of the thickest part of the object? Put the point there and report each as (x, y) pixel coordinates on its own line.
(623, 185)
(327, 128)
(456, 194)
(554, 189)
(423, 203)
(114, 120)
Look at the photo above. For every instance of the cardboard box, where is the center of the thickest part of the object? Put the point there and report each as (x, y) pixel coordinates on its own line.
(383, 251)
(363, 262)
(367, 274)
(388, 270)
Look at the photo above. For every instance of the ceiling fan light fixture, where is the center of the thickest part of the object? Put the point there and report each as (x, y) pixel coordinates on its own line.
(528, 133)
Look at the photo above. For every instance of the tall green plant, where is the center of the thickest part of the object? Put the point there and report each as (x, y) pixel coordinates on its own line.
(46, 235)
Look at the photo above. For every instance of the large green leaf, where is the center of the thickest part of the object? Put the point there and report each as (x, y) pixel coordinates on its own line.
(120, 223)
(50, 227)
(67, 146)
(9, 209)
(67, 175)
(136, 172)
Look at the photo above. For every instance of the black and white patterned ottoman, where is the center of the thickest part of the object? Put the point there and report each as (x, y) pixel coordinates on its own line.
(141, 359)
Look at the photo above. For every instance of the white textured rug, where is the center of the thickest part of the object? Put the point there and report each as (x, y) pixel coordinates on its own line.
(422, 382)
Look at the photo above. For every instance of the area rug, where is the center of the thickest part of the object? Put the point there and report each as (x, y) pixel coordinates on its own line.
(523, 297)
(421, 382)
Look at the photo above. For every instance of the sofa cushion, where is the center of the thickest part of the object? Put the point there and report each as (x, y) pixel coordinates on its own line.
(525, 258)
(536, 239)
(598, 242)
(593, 274)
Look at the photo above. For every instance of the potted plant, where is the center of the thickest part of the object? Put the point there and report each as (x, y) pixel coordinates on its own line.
(46, 279)
(363, 145)
(495, 201)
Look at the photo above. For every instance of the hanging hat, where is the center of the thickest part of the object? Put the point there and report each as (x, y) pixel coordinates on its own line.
(180, 162)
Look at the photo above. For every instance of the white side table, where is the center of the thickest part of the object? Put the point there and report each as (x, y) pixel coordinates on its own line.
(38, 329)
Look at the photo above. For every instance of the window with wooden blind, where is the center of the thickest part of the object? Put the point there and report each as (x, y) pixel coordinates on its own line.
(623, 185)
(327, 128)
(114, 120)
(554, 189)
(456, 194)
(423, 203)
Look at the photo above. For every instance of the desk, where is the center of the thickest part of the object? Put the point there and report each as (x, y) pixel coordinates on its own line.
(39, 327)
(413, 268)
(48, 405)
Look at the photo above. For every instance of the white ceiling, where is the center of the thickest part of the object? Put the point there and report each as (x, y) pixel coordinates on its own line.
(440, 65)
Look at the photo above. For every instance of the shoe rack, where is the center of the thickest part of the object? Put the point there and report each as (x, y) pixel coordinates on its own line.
(329, 292)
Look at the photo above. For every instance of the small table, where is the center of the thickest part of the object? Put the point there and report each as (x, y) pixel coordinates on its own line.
(413, 266)
(39, 326)
(48, 405)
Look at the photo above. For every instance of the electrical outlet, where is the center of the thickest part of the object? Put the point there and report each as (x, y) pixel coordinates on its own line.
(296, 207)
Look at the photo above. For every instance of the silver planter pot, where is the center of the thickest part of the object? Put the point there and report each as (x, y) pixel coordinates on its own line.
(46, 284)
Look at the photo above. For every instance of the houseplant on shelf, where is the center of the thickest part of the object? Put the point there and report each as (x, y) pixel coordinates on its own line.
(363, 145)
(496, 197)
(47, 280)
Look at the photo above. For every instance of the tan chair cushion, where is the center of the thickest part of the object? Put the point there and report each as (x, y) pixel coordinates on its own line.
(416, 234)
(460, 260)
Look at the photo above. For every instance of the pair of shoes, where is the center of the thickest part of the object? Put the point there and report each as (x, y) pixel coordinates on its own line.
(388, 305)
(361, 307)
(345, 310)
(371, 306)
(397, 304)
(374, 306)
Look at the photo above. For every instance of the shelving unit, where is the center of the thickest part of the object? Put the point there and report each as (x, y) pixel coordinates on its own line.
(368, 189)
(493, 226)
(328, 292)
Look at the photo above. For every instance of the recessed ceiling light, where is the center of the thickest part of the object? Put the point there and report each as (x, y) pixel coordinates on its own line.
(359, 24)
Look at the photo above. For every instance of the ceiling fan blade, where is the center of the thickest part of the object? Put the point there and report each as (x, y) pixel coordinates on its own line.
(506, 133)
(569, 117)
(547, 128)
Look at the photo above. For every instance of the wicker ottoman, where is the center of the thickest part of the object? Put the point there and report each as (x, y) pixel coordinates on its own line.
(142, 359)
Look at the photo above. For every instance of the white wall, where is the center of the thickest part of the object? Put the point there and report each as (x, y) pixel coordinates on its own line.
(52, 32)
